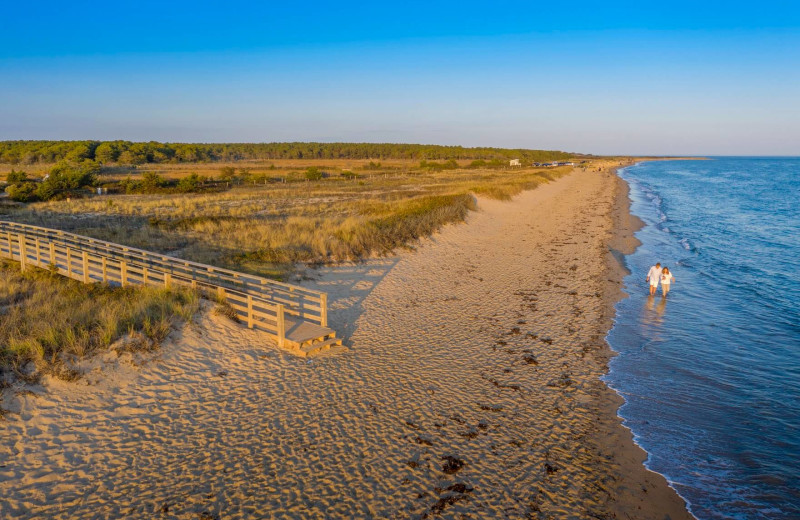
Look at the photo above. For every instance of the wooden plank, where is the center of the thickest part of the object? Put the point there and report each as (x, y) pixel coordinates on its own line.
(237, 306)
(293, 304)
(263, 317)
(85, 266)
(23, 255)
(281, 327)
(249, 311)
(302, 331)
(133, 278)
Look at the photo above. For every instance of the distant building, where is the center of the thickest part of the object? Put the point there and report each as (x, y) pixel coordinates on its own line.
(514, 162)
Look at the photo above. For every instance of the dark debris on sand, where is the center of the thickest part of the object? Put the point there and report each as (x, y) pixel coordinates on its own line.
(452, 465)
(449, 495)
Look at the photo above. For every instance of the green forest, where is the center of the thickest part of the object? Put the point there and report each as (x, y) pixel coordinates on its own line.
(127, 152)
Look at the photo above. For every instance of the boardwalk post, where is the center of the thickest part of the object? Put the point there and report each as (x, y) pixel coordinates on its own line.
(144, 276)
(323, 302)
(10, 248)
(69, 262)
(249, 312)
(105, 269)
(167, 280)
(123, 272)
(22, 253)
(38, 253)
(85, 267)
(281, 326)
(221, 294)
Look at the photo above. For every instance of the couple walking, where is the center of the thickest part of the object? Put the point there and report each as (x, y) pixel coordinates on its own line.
(659, 274)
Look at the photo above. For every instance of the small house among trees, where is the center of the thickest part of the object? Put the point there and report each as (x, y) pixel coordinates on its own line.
(514, 162)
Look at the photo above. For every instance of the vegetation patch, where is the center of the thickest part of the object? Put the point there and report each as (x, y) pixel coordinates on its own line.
(410, 220)
(48, 321)
(62, 180)
(223, 308)
(309, 212)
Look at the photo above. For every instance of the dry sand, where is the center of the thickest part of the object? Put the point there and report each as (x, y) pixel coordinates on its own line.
(469, 389)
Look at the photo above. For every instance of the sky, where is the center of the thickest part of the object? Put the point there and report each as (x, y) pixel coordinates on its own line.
(677, 78)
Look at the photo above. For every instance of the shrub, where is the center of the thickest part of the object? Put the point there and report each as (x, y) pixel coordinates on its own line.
(66, 177)
(449, 165)
(151, 182)
(313, 174)
(372, 166)
(190, 183)
(22, 192)
(15, 177)
(227, 173)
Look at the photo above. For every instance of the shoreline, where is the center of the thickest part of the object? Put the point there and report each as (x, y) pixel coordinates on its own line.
(642, 493)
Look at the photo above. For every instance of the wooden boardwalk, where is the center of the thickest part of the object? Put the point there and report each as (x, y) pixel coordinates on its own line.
(296, 317)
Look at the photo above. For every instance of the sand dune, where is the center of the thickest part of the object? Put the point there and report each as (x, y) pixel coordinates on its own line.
(469, 387)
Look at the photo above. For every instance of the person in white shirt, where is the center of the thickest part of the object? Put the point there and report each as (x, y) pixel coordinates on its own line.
(666, 280)
(653, 276)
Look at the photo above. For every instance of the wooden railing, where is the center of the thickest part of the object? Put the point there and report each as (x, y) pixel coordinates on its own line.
(263, 303)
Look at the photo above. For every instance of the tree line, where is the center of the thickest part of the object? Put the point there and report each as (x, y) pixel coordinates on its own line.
(132, 153)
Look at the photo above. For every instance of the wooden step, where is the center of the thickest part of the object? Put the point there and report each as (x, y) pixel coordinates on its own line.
(318, 346)
(299, 333)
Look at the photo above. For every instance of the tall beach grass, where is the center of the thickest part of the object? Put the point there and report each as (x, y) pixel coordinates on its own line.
(48, 321)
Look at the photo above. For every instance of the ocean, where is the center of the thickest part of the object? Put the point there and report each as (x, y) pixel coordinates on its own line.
(711, 374)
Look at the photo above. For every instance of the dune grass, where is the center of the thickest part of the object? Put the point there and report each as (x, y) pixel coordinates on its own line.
(48, 321)
(267, 229)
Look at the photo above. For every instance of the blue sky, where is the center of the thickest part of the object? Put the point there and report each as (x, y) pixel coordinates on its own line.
(721, 78)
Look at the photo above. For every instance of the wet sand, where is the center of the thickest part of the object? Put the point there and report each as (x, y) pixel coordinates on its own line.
(469, 388)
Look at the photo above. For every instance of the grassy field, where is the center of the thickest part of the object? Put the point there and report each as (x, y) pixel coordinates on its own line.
(267, 226)
(49, 320)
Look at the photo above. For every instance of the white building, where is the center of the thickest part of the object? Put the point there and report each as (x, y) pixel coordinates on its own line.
(514, 162)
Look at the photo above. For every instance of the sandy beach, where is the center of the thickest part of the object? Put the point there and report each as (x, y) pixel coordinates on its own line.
(469, 388)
